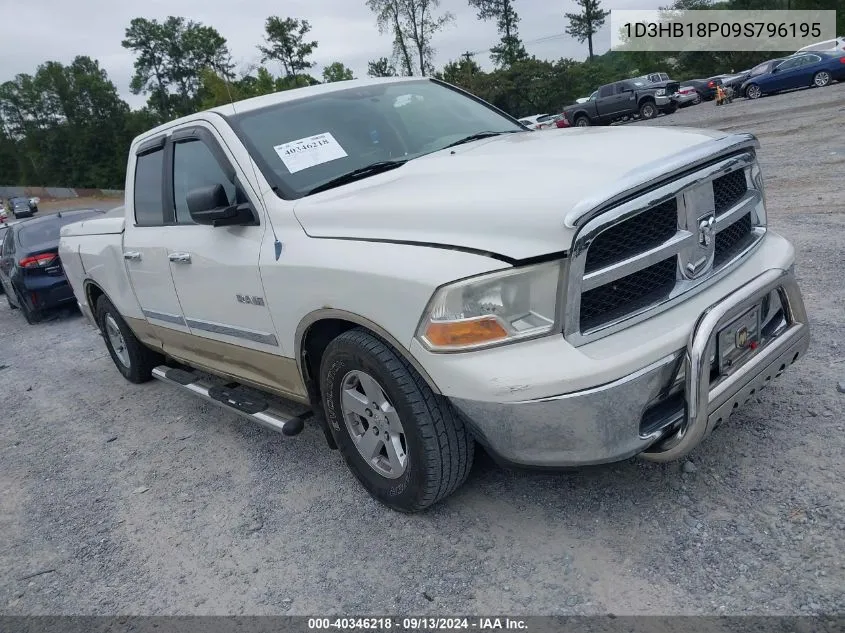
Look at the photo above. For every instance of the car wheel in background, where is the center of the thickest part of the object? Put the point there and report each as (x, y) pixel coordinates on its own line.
(404, 443)
(648, 110)
(582, 121)
(697, 99)
(753, 92)
(31, 315)
(130, 356)
(821, 79)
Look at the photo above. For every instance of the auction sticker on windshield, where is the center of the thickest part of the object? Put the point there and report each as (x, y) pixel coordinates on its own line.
(309, 152)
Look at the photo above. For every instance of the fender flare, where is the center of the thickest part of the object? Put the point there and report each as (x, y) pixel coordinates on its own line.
(323, 314)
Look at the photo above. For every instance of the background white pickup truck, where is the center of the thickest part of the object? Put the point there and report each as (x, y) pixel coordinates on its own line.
(367, 251)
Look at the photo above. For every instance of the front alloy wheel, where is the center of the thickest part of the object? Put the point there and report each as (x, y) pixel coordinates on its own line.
(648, 110)
(753, 92)
(373, 424)
(404, 443)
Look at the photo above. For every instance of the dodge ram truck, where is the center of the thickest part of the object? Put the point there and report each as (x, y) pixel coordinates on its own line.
(365, 258)
(623, 100)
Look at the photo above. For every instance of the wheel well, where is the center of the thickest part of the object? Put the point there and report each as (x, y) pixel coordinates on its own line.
(92, 295)
(314, 343)
(316, 338)
(646, 100)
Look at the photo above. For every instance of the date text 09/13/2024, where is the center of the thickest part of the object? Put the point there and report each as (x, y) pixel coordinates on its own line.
(417, 623)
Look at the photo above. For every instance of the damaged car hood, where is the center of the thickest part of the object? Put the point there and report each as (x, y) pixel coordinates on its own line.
(507, 195)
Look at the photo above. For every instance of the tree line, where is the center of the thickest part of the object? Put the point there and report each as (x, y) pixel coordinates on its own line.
(66, 125)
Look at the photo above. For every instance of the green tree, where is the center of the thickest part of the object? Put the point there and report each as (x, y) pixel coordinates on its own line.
(286, 44)
(381, 67)
(461, 73)
(65, 126)
(510, 49)
(336, 71)
(413, 25)
(170, 59)
(583, 25)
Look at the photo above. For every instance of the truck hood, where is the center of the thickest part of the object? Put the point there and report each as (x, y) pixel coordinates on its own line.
(507, 195)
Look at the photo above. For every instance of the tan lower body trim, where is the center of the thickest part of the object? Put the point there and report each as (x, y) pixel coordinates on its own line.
(273, 373)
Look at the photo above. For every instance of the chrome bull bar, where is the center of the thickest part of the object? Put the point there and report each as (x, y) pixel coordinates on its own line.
(707, 405)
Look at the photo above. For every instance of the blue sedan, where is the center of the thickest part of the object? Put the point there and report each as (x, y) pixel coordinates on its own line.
(799, 71)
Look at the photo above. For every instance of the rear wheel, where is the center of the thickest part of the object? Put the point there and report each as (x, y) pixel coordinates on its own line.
(582, 121)
(648, 110)
(697, 99)
(31, 315)
(821, 79)
(130, 356)
(404, 443)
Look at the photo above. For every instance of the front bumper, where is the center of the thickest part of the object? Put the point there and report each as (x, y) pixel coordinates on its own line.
(616, 420)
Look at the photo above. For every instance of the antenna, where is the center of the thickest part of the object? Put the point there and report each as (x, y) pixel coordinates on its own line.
(277, 245)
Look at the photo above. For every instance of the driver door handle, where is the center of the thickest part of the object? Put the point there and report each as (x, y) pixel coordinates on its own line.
(131, 255)
(180, 258)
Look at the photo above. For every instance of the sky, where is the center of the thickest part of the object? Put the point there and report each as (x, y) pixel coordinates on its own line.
(58, 30)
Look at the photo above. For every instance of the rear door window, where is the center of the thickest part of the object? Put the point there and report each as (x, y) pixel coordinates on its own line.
(149, 207)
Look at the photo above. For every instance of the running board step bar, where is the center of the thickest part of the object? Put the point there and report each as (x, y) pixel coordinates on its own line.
(233, 398)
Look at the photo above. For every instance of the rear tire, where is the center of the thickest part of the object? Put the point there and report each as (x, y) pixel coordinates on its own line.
(582, 121)
(821, 79)
(130, 356)
(405, 444)
(32, 316)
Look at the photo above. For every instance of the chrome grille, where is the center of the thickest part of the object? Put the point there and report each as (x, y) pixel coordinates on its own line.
(648, 252)
(728, 189)
(732, 239)
(628, 239)
(640, 289)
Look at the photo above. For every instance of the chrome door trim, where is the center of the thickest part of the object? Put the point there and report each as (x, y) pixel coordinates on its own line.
(164, 316)
(237, 332)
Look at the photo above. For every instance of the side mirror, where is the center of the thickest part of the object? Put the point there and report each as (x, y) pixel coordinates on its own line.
(210, 205)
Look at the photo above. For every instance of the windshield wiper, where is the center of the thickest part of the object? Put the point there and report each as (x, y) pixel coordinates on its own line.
(478, 136)
(356, 174)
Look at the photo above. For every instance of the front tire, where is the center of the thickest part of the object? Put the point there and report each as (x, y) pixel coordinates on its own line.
(405, 444)
(753, 92)
(130, 356)
(648, 110)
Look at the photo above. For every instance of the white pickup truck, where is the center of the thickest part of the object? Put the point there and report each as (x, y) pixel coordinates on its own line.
(369, 252)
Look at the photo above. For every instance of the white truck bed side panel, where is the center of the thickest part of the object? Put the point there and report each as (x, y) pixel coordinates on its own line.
(102, 259)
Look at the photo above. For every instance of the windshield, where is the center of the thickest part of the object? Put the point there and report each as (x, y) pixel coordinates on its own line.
(37, 233)
(302, 144)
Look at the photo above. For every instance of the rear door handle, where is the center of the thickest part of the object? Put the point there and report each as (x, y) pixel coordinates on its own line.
(180, 258)
(131, 255)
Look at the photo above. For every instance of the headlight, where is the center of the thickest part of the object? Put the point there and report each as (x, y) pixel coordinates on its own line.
(661, 92)
(493, 309)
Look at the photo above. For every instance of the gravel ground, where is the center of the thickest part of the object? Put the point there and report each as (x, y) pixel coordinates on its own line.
(118, 498)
